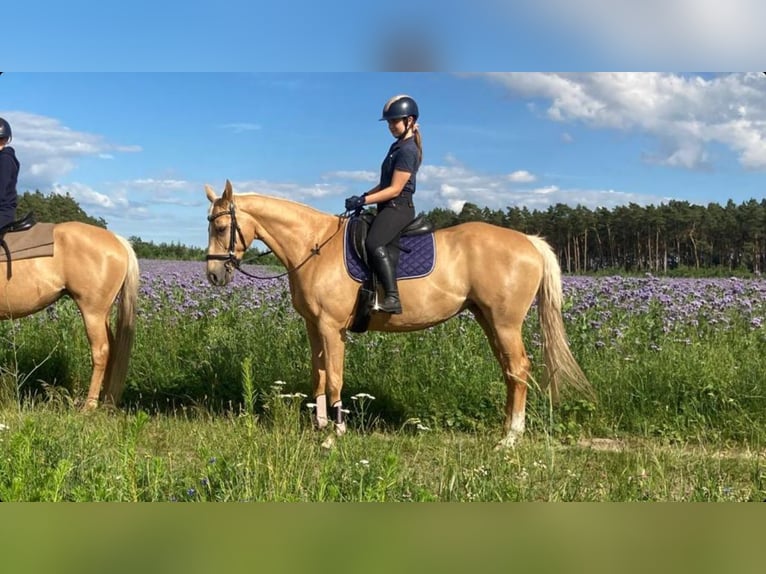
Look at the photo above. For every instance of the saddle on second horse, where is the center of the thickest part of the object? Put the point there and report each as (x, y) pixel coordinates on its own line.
(25, 248)
(416, 245)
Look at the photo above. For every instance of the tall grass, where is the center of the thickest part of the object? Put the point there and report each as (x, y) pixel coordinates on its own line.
(54, 453)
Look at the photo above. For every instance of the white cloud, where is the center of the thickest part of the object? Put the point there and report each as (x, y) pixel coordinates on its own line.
(162, 185)
(683, 114)
(452, 187)
(241, 127)
(49, 150)
(88, 197)
(521, 176)
(358, 175)
(167, 191)
(430, 173)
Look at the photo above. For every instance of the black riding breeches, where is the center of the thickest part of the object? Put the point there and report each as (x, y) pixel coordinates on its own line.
(392, 217)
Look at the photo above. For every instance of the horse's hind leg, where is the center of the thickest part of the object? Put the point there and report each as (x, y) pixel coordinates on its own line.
(99, 337)
(508, 347)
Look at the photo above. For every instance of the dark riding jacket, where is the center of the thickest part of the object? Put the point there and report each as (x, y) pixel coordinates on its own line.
(9, 174)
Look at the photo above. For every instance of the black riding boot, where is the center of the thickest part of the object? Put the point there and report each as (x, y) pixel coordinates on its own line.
(384, 268)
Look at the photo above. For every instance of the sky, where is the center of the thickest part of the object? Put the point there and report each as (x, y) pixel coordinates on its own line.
(138, 148)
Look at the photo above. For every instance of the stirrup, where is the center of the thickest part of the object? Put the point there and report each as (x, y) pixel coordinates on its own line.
(394, 307)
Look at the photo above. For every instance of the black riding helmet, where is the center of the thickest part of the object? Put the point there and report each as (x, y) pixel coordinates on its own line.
(403, 107)
(5, 130)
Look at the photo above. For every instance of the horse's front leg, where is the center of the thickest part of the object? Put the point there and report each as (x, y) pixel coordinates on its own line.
(333, 354)
(318, 376)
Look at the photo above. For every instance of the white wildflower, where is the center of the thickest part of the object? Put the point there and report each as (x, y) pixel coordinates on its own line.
(292, 396)
(481, 471)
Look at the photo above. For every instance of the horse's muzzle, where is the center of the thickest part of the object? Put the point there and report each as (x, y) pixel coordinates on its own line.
(219, 276)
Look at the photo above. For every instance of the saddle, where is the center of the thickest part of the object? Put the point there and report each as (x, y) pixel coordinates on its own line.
(358, 227)
(23, 224)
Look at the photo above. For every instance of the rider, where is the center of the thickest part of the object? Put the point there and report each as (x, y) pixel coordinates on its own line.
(393, 195)
(9, 173)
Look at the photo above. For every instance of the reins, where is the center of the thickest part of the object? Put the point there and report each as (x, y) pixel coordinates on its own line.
(235, 230)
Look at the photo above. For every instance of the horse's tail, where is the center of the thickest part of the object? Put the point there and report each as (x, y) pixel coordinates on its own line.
(561, 366)
(125, 329)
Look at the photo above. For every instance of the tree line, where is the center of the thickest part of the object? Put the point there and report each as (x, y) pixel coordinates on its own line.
(54, 208)
(175, 251)
(658, 239)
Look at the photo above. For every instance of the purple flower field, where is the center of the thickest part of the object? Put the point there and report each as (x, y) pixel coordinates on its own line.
(683, 302)
(180, 287)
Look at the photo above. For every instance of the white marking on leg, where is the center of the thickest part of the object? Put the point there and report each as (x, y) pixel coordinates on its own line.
(320, 418)
(517, 430)
(518, 421)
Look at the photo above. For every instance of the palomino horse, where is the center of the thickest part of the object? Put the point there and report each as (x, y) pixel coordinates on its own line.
(494, 272)
(93, 266)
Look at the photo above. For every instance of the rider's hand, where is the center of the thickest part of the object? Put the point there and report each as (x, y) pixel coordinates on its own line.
(355, 202)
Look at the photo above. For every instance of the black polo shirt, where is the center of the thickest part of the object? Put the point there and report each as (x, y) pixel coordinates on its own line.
(404, 156)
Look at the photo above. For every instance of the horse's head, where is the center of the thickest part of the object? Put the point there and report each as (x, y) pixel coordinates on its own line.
(228, 237)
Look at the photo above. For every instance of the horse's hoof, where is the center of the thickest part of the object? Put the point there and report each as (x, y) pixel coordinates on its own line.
(319, 423)
(507, 442)
(90, 406)
(329, 442)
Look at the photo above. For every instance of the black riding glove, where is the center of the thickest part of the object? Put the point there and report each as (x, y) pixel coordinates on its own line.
(355, 202)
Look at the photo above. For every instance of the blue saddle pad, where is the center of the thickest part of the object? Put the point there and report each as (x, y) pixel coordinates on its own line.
(419, 262)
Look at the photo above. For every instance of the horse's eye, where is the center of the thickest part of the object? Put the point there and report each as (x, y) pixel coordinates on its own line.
(220, 229)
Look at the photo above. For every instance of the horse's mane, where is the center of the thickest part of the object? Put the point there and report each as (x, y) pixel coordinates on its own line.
(288, 202)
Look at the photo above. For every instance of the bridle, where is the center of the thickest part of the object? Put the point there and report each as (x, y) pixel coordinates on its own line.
(230, 258)
(234, 230)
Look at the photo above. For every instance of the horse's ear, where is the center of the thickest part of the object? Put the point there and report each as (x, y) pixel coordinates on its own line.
(210, 193)
(227, 191)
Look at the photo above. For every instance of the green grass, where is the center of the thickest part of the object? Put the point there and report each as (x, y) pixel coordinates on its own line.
(55, 453)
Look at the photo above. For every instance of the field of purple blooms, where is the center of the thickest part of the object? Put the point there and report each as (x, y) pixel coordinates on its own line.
(669, 358)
